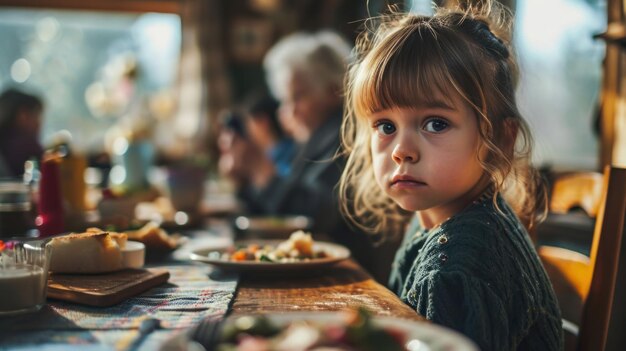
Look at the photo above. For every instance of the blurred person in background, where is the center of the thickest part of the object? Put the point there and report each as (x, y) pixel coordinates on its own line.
(261, 122)
(237, 152)
(252, 143)
(305, 72)
(20, 125)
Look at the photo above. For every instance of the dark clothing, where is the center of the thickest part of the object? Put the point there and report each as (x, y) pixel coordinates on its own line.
(16, 148)
(310, 189)
(479, 273)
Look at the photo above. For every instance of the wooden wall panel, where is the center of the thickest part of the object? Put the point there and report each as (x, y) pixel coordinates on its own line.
(613, 94)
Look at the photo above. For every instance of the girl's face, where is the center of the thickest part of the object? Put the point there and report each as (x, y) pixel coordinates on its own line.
(426, 158)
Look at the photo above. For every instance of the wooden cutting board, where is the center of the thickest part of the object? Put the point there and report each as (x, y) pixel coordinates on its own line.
(104, 289)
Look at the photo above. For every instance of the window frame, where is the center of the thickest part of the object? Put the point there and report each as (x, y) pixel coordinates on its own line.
(162, 6)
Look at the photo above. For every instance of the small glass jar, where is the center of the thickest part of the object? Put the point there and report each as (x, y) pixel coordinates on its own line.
(16, 216)
(24, 269)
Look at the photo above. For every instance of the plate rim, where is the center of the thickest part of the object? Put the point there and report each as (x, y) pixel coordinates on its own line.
(408, 326)
(196, 255)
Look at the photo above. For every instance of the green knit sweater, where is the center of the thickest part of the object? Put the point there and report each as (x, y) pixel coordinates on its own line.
(478, 273)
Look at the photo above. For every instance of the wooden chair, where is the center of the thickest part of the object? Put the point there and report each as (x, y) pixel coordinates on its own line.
(581, 189)
(591, 290)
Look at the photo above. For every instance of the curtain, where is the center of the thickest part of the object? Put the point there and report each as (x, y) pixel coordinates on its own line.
(204, 86)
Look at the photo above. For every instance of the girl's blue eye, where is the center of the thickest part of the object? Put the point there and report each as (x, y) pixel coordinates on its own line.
(385, 128)
(436, 125)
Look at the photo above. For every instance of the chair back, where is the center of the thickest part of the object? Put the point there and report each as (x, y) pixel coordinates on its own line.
(604, 312)
(578, 189)
(590, 288)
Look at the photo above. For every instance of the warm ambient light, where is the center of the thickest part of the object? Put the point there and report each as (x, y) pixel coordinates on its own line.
(181, 218)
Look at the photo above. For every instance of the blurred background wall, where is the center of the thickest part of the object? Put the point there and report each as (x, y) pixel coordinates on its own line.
(174, 64)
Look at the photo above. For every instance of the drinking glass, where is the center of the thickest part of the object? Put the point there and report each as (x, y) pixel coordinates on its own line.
(23, 276)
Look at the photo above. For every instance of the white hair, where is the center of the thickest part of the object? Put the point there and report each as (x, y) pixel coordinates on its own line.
(322, 56)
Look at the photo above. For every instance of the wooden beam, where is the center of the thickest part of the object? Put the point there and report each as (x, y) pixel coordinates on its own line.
(163, 6)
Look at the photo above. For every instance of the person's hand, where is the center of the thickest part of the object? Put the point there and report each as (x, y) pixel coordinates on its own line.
(233, 157)
(244, 162)
(264, 171)
(227, 167)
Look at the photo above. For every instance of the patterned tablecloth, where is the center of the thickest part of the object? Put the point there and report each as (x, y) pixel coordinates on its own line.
(193, 293)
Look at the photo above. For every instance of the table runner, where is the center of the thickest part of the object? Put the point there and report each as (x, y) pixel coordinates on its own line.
(193, 293)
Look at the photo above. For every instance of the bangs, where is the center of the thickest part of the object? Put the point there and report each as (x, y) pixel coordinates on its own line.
(407, 71)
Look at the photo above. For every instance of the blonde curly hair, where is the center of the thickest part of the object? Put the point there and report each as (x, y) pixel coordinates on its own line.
(465, 52)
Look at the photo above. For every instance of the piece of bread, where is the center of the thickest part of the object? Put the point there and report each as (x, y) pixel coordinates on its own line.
(120, 238)
(89, 252)
(153, 237)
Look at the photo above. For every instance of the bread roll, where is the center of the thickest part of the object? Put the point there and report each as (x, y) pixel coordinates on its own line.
(153, 237)
(120, 238)
(90, 252)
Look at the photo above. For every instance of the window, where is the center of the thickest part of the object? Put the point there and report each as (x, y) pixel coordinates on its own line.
(93, 69)
(561, 69)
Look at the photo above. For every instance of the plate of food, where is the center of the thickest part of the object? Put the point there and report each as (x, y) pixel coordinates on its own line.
(355, 330)
(296, 253)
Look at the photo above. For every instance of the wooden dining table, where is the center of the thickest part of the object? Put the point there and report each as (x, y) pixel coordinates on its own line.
(334, 288)
(188, 300)
(340, 287)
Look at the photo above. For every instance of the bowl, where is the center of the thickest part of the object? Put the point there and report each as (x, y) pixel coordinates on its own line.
(134, 254)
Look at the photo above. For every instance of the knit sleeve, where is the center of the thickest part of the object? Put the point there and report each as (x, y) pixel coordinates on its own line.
(466, 304)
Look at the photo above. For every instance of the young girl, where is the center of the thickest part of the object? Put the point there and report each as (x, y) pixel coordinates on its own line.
(433, 130)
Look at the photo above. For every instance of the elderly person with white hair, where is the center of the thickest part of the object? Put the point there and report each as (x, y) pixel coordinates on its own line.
(305, 72)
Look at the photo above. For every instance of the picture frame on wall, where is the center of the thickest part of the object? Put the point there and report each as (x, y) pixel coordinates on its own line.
(250, 38)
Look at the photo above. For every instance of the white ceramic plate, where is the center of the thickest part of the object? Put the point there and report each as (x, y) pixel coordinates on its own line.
(420, 336)
(335, 253)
